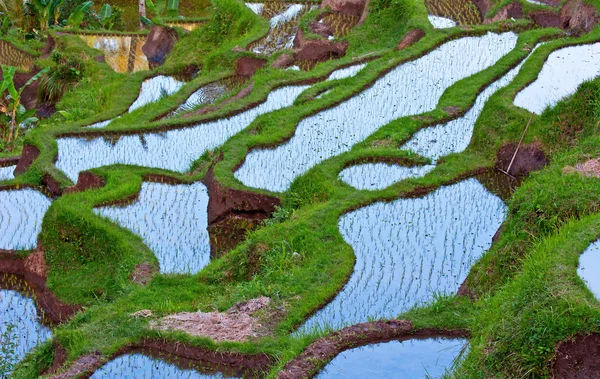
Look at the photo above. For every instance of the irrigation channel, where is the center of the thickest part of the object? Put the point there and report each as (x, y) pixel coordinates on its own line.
(421, 358)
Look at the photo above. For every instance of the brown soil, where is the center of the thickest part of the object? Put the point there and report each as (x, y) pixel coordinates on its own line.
(9, 161)
(283, 61)
(321, 28)
(247, 66)
(237, 324)
(29, 154)
(411, 38)
(323, 350)
(513, 10)
(86, 181)
(33, 270)
(547, 19)
(347, 7)
(85, 365)
(579, 16)
(590, 168)
(159, 44)
(317, 50)
(48, 47)
(578, 358)
(143, 273)
(52, 185)
(240, 95)
(530, 158)
(231, 231)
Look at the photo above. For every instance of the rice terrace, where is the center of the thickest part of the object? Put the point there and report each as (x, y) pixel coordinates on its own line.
(299, 189)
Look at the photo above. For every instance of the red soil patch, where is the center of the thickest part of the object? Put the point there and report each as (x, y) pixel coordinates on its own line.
(578, 358)
(590, 167)
(87, 180)
(85, 365)
(317, 50)
(29, 154)
(143, 273)
(579, 16)
(247, 66)
(307, 364)
(411, 38)
(547, 19)
(513, 10)
(348, 7)
(283, 61)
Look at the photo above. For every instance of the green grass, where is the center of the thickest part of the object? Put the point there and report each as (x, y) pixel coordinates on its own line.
(529, 296)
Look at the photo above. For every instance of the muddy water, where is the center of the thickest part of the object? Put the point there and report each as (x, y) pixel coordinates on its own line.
(441, 22)
(122, 53)
(377, 176)
(412, 88)
(151, 91)
(21, 327)
(172, 150)
(7, 173)
(172, 221)
(21, 216)
(454, 136)
(416, 358)
(589, 266)
(562, 73)
(409, 250)
(139, 366)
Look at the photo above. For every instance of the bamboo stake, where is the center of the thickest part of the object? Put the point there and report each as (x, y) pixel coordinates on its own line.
(507, 172)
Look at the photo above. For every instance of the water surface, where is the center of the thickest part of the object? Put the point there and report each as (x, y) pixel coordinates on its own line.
(439, 22)
(589, 267)
(21, 217)
(415, 358)
(172, 150)
(411, 88)
(377, 176)
(172, 220)
(122, 53)
(409, 250)
(562, 73)
(7, 173)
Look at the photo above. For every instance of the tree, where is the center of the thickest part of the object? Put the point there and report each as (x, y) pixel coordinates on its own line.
(142, 10)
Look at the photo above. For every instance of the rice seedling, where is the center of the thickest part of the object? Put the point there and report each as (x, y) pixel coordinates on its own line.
(415, 358)
(464, 12)
(21, 218)
(21, 327)
(411, 249)
(340, 24)
(562, 73)
(173, 150)
(205, 95)
(377, 176)
(11, 56)
(172, 221)
(454, 137)
(589, 263)
(122, 53)
(409, 89)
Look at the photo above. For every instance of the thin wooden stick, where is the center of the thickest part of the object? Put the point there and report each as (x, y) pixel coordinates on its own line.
(519, 145)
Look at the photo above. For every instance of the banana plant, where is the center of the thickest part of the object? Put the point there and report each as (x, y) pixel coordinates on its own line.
(106, 17)
(76, 18)
(47, 12)
(14, 116)
(158, 7)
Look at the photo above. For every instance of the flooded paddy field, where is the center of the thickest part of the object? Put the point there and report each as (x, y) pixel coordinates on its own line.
(412, 88)
(409, 250)
(413, 358)
(562, 73)
(7, 173)
(377, 176)
(172, 221)
(147, 364)
(21, 218)
(172, 150)
(22, 326)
